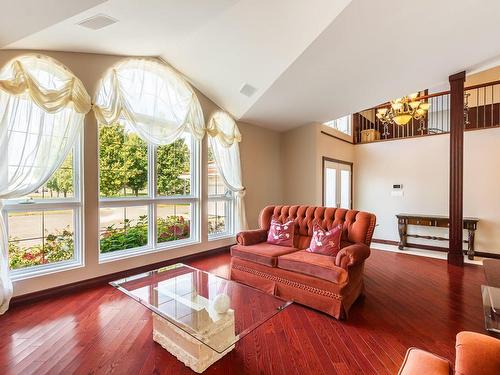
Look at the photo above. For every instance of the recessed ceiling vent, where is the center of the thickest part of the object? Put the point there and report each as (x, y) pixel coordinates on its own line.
(97, 22)
(248, 90)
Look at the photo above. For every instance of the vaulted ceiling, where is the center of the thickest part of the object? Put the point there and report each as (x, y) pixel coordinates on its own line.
(309, 60)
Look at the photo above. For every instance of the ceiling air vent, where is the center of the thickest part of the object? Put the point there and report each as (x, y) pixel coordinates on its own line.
(97, 22)
(247, 90)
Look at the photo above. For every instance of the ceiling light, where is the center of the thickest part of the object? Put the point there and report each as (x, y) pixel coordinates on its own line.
(247, 90)
(97, 22)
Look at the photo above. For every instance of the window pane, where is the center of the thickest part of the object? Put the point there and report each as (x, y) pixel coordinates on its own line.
(216, 185)
(173, 166)
(60, 185)
(40, 237)
(123, 228)
(173, 222)
(345, 189)
(218, 217)
(342, 124)
(123, 162)
(330, 187)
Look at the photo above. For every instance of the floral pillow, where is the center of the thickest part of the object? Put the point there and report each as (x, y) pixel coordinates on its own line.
(325, 242)
(281, 233)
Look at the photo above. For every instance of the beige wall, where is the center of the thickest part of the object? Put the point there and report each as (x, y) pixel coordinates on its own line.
(302, 153)
(422, 166)
(260, 155)
(298, 172)
(261, 165)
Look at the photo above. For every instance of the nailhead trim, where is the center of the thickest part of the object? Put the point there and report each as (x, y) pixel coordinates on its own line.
(295, 284)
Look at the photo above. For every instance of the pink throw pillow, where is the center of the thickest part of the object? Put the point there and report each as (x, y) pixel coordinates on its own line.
(281, 233)
(325, 242)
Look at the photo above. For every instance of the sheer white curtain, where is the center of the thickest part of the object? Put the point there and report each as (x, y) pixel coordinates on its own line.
(150, 97)
(42, 108)
(224, 138)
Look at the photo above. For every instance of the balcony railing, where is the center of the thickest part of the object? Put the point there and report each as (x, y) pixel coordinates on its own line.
(481, 110)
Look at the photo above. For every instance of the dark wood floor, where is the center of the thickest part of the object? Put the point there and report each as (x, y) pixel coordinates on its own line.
(409, 301)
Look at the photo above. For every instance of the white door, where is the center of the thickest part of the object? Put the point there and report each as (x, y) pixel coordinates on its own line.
(337, 184)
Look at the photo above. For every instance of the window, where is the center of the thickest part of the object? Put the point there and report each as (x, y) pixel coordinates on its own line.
(220, 203)
(44, 227)
(342, 124)
(148, 194)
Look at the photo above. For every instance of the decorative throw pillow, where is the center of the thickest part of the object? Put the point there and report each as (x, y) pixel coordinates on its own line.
(281, 233)
(325, 242)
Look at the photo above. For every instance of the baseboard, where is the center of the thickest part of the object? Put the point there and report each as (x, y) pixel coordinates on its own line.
(435, 248)
(104, 279)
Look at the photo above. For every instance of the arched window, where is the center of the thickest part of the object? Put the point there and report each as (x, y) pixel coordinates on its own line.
(43, 106)
(150, 126)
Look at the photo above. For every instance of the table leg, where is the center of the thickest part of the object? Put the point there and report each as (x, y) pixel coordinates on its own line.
(470, 245)
(402, 228)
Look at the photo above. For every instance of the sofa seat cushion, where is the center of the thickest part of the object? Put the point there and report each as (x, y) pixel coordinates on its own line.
(312, 264)
(263, 253)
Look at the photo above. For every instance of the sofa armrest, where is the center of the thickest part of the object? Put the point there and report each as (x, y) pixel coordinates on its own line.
(419, 362)
(352, 255)
(477, 354)
(251, 237)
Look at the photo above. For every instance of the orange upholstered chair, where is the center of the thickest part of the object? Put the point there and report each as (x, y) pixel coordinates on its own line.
(476, 354)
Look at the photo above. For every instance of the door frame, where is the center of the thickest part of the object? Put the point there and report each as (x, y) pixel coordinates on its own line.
(326, 159)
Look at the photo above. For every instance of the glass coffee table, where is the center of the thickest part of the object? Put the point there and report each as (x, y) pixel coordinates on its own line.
(197, 316)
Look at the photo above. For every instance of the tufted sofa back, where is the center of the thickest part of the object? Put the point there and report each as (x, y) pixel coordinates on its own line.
(357, 226)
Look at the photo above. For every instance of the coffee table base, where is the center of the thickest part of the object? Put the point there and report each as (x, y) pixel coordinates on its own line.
(187, 349)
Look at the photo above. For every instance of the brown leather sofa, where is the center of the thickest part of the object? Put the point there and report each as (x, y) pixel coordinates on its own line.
(329, 284)
(476, 354)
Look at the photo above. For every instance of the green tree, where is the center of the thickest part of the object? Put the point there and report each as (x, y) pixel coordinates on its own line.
(62, 179)
(52, 185)
(172, 164)
(136, 163)
(111, 159)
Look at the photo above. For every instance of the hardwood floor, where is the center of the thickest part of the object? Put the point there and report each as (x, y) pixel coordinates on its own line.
(409, 301)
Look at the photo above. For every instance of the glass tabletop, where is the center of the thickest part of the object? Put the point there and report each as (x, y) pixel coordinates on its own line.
(200, 303)
(491, 307)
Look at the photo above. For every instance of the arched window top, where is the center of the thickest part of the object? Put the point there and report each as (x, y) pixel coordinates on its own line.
(222, 126)
(150, 97)
(46, 81)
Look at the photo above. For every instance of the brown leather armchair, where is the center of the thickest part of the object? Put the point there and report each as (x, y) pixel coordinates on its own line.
(476, 354)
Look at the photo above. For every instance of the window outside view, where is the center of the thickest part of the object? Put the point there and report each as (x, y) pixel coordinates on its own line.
(220, 201)
(39, 236)
(128, 166)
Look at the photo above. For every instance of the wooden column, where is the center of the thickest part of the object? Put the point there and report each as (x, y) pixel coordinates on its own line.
(455, 252)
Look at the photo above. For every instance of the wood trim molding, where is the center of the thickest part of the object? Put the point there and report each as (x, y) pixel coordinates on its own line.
(434, 248)
(334, 136)
(95, 281)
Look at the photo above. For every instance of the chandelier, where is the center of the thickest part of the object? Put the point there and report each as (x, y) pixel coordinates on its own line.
(403, 110)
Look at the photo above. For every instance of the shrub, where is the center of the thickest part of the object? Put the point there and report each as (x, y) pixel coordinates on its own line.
(131, 235)
(57, 247)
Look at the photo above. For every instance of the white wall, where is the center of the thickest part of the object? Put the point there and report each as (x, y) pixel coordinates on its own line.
(422, 166)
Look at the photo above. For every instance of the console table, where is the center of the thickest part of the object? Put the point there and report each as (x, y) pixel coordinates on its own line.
(469, 223)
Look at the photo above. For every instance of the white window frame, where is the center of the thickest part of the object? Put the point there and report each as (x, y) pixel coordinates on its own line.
(335, 124)
(51, 204)
(229, 214)
(151, 202)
